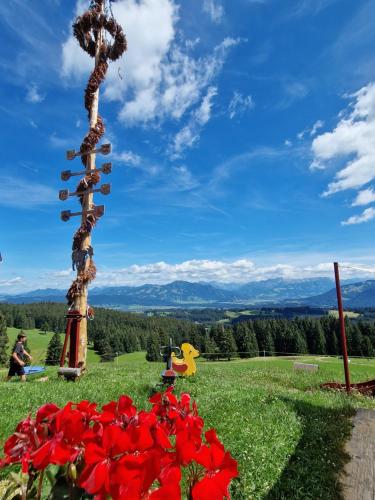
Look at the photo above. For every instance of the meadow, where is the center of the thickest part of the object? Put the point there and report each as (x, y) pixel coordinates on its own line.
(287, 434)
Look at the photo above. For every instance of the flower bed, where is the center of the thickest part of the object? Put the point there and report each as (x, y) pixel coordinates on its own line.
(120, 452)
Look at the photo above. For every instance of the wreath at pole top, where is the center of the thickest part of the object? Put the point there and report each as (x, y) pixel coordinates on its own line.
(86, 30)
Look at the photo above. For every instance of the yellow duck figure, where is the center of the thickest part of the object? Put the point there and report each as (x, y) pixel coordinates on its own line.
(185, 366)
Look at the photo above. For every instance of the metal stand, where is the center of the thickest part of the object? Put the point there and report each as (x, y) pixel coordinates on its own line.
(169, 375)
(73, 370)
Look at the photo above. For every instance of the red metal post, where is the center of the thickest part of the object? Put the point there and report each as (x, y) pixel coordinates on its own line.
(342, 327)
(67, 336)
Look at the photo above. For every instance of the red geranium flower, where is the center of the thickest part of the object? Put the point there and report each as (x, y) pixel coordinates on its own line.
(126, 453)
(169, 479)
(220, 467)
(99, 460)
(122, 411)
(64, 445)
(20, 444)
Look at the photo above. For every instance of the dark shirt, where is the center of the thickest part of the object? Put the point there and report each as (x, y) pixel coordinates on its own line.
(19, 351)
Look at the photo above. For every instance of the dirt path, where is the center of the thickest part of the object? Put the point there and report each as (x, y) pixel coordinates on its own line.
(359, 474)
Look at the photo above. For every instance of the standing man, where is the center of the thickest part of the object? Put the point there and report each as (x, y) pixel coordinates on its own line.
(17, 360)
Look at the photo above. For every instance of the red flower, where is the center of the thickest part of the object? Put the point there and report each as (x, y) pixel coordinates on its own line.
(125, 453)
(122, 410)
(67, 428)
(99, 460)
(24, 441)
(170, 488)
(46, 413)
(220, 467)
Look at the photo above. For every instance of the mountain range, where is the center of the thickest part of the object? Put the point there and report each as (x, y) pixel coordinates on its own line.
(312, 291)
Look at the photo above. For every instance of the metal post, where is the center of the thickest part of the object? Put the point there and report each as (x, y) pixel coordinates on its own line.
(342, 327)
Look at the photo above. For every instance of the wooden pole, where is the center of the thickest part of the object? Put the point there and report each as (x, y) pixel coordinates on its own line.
(342, 327)
(87, 204)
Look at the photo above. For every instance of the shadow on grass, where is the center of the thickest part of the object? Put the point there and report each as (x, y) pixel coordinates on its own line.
(313, 470)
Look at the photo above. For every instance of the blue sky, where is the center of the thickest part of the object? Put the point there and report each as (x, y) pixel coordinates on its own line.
(243, 141)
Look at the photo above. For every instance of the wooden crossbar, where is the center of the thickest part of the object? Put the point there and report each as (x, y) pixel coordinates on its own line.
(67, 174)
(104, 189)
(104, 149)
(97, 211)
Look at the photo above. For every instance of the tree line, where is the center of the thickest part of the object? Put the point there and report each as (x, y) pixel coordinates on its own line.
(110, 333)
(115, 332)
(301, 335)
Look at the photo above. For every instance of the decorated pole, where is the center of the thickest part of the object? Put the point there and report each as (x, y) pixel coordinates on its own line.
(89, 30)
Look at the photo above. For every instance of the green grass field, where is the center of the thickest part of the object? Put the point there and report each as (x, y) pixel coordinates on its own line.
(349, 314)
(38, 342)
(286, 433)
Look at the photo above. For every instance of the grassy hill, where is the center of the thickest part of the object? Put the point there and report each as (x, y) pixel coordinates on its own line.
(286, 433)
(38, 342)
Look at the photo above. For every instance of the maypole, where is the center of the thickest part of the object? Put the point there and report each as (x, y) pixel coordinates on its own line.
(89, 29)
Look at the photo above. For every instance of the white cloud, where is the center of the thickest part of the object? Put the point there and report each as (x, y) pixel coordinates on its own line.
(161, 78)
(11, 282)
(127, 157)
(237, 271)
(364, 197)
(33, 95)
(63, 273)
(18, 193)
(60, 142)
(189, 135)
(293, 91)
(311, 131)
(239, 104)
(365, 216)
(287, 143)
(183, 179)
(191, 270)
(310, 7)
(352, 139)
(316, 165)
(317, 125)
(214, 9)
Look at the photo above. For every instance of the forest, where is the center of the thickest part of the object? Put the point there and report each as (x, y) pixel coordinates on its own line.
(114, 332)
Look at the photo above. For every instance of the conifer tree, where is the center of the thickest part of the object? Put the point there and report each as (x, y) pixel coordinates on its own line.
(54, 350)
(367, 348)
(44, 327)
(3, 340)
(209, 347)
(329, 329)
(246, 340)
(107, 354)
(298, 343)
(264, 337)
(356, 344)
(315, 337)
(153, 347)
(225, 342)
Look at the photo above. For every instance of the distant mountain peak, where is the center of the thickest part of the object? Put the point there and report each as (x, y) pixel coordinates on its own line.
(182, 293)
